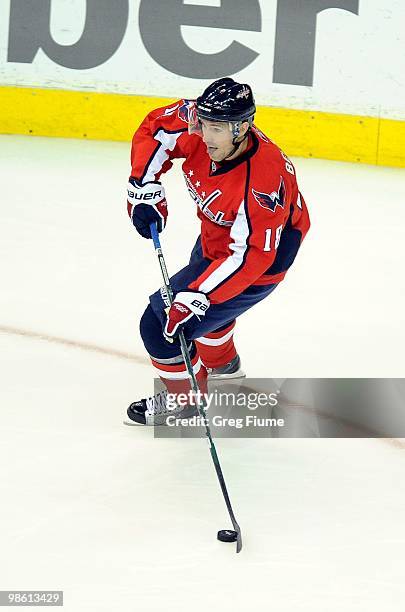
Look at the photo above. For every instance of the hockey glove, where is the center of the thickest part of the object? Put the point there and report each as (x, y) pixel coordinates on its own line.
(186, 305)
(146, 204)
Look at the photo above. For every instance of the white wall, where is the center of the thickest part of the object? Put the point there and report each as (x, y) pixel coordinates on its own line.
(359, 62)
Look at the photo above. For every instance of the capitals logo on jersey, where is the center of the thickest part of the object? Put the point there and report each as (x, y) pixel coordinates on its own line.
(186, 111)
(271, 200)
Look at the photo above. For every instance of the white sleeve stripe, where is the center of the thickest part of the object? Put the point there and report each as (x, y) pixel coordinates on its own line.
(168, 142)
(216, 341)
(239, 234)
(170, 375)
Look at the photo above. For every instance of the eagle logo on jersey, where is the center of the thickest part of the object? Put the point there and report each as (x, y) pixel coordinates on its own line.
(186, 110)
(271, 200)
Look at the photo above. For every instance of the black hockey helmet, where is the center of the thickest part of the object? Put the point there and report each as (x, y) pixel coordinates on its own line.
(226, 100)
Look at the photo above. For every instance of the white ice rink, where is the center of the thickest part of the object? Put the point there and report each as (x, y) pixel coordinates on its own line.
(123, 522)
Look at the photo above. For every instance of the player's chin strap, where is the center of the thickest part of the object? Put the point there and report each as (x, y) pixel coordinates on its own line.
(235, 147)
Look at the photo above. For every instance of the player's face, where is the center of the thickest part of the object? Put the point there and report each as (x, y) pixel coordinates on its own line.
(217, 136)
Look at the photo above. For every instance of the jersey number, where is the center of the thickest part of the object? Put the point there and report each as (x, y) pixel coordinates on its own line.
(288, 165)
(267, 240)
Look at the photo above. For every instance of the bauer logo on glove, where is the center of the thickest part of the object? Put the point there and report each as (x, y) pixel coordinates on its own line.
(198, 304)
(186, 305)
(146, 204)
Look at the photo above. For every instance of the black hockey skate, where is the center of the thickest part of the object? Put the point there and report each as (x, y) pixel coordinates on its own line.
(230, 370)
(154, 410)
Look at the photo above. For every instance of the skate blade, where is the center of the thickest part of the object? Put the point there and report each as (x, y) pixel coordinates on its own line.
(235, 375)
(135, 424)
(132, 423)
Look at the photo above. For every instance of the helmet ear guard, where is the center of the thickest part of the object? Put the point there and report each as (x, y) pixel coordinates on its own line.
(235, 126)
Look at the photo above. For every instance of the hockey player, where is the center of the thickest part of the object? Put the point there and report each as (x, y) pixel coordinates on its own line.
(253, 220)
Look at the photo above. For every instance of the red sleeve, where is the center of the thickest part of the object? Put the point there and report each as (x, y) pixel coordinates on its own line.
(161, 137)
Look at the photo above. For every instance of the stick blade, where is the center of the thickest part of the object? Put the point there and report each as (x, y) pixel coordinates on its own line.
(238, 541)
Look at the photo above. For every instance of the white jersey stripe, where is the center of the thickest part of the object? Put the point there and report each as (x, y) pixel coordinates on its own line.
(239, 234)
(168, 142)
(177, 375)
(216, 341)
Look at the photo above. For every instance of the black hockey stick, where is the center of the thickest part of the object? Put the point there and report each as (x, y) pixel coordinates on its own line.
(201, 407)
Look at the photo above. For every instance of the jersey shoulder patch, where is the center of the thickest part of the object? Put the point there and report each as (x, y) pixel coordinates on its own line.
(270, 201)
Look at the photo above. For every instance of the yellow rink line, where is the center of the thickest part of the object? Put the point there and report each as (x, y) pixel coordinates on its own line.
(107, 116)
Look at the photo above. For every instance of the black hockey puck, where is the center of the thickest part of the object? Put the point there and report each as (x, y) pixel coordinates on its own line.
(227, 535)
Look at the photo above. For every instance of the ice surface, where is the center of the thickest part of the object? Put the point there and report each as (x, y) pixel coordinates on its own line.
(121, 521)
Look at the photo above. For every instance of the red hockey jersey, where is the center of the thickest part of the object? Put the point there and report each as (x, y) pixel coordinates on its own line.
(253, 217)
